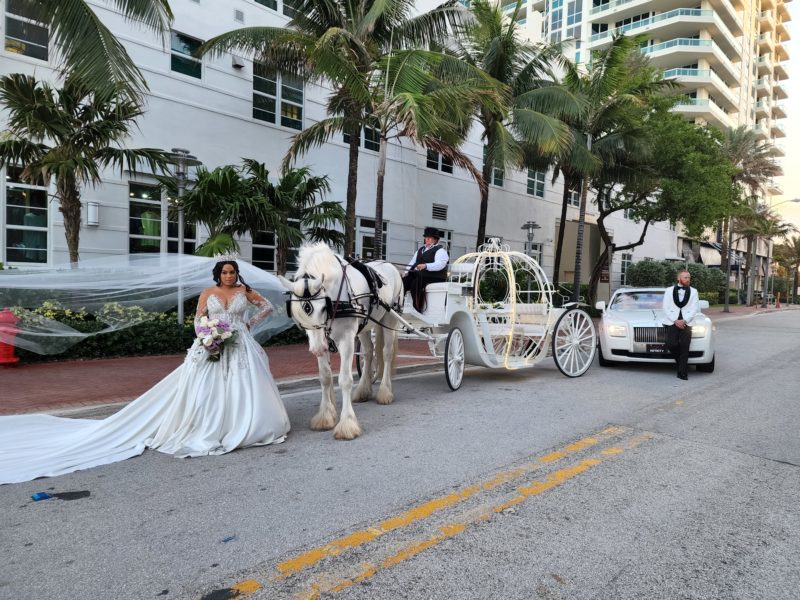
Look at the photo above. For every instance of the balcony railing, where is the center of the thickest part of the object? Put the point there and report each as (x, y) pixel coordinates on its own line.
(677, 42)
(608, 5)
(678, 12)
(687, 73)
(694, 102)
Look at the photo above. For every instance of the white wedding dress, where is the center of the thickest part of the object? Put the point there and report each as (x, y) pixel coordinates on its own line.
(203, 407)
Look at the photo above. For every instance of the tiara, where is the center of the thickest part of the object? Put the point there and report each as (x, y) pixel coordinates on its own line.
(227, 256)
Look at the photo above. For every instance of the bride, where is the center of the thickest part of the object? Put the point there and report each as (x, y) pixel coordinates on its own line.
(203, 407)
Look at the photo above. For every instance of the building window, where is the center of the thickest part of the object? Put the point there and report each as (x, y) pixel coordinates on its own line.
(273, 4)
(290, 7)
(24, 34)
(625, 261)
(497, 176)
(365, 239)
(371, 137)
(629, 214)
(26, 219)
(574, 198)
(439, 162)
(183, 60)
(266, 84)
(265, 253)
(144, 218)
(189, 237)
(536, 183)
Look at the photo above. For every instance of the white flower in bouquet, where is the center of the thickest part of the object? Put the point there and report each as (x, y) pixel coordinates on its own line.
(214, 335)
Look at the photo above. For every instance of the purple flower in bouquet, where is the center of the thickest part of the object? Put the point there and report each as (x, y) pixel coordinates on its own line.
(214, 335)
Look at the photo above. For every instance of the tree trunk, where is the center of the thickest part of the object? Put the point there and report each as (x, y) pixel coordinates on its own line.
(377, 244)
(352, 189)
(725, 252)
(560, 242)
(69, 197)
(576, 290)
(486, 172)
(281, 254)
(751, 271)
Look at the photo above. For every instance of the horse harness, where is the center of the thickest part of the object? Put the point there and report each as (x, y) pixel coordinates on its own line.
(340, 308)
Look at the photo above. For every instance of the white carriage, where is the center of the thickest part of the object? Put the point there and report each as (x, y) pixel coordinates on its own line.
(496, 310)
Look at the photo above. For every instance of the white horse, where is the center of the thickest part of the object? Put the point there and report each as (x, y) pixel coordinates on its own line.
(332, 301)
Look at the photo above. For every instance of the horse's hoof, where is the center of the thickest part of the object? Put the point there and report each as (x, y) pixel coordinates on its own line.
(385, 396)
(361, 395)
(322, 423)
(347, 431)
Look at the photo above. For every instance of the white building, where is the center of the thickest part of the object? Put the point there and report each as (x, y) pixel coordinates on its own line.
(224, 109)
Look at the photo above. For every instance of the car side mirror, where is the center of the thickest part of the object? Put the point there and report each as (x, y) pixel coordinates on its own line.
(600, 305)
(703, 304)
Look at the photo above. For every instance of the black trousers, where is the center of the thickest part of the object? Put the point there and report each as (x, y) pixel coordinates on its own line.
(415, 282)
(678, 341)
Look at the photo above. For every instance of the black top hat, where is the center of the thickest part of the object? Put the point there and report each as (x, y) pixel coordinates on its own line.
(432, 232)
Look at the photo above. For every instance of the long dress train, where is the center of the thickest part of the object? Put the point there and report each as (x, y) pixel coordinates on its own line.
(203, 407)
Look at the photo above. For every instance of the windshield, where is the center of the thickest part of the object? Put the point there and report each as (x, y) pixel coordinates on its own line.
(637, 301)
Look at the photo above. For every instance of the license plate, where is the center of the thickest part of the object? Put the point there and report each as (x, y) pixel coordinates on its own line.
(657, 349)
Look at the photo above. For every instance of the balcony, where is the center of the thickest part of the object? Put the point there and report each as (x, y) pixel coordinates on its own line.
(761, 131)
(774, 189)
(762, 109)
(694, 79)
(779, 90)
(681, 51)
(764, 63)
(781, 49)
(778, 150)
(766, 42)
(621, 9)
(678, 23)
(780, 27)
(706, 109)
(777, 130)
(539, 5)
(782, 11)
(778, 110)
(780, 71)
(766, 19)
(728, 14)
(763, 87)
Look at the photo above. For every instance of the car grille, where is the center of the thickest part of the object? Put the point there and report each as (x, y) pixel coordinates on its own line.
(649, 335)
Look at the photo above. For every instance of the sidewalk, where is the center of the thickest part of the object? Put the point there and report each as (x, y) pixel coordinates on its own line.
(45, 387)
(73, 384)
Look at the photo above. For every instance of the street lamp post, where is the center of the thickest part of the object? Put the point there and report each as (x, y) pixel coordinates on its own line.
(529, 227)
(182, 161)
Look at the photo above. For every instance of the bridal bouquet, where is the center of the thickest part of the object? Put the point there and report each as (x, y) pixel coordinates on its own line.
(214, 335)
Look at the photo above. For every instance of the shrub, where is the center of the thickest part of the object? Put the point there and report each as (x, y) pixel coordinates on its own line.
(646, 273)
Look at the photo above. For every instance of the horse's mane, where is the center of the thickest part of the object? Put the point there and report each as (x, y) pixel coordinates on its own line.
(318, 259)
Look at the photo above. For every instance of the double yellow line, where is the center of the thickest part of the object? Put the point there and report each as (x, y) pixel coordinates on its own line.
(327, 584)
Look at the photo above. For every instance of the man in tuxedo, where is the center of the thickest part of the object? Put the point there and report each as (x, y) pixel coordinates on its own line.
(428, 265)
(681, 304)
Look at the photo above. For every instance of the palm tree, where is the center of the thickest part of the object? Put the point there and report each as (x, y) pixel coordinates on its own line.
(755, 165)
(427, 97)
(86, 49)
(615, 90)
(789, 254)
(70, 135)
(530, 122)
(299, 214)
(338, 42)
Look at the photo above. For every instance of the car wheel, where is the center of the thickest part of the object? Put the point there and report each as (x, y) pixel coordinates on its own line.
(707, 367)
(604, 362)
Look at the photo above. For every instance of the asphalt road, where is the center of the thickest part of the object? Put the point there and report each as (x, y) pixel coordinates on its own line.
(624, 483)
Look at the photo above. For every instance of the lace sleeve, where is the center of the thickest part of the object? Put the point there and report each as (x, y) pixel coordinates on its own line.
(202, 310)
(264, 308)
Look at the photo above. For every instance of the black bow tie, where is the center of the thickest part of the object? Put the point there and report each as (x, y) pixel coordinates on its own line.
(680, 287)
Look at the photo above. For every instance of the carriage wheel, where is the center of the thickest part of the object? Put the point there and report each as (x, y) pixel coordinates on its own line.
(574, 342)
(454, 358)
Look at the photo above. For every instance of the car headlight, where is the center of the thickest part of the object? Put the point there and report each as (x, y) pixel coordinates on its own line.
(699, 331)
(617, 330)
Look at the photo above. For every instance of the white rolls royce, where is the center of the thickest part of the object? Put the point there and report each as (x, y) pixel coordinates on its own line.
(631, 331)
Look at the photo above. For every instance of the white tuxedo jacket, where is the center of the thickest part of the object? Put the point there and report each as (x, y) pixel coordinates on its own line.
(671, 311)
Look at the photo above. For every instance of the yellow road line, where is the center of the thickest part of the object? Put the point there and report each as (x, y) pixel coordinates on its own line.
(311, 557)
(451, 530)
